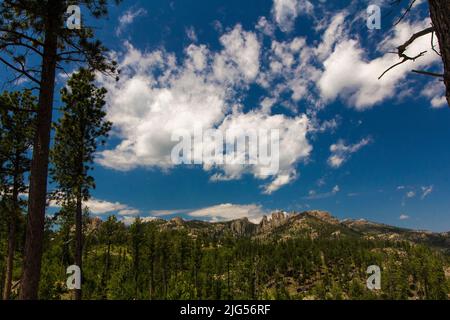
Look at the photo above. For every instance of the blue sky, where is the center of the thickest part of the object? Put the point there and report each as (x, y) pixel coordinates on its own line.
(355, 146)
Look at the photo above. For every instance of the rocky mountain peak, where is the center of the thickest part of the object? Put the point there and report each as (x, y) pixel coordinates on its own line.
(178, 221)
(323, 215)
(277, 219)
(242, 227)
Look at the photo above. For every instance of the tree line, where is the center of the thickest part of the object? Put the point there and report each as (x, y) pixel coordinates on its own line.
(147, 261)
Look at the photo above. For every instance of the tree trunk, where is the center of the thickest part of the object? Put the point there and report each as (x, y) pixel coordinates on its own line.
(440, 13)
(151, 283)
(105, 275)
(79, 239)
(10, 259)
(12, 229)
(39, 164)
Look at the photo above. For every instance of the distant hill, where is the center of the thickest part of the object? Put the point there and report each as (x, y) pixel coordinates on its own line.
(312, 224)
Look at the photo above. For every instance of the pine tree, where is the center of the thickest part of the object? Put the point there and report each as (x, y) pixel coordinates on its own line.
(34, 42)
(78, 133)
(17, 124)
(137, 239)
(111, 232)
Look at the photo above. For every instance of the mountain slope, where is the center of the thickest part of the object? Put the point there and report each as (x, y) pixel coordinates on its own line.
(309, 224)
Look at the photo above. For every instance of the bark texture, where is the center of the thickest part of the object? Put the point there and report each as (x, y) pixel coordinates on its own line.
(39, 165)
(440, 17)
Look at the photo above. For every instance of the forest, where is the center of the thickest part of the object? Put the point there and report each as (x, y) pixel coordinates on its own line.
(147, 261)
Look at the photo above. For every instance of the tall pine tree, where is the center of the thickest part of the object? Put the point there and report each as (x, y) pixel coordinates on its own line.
(78, 133)
(34, 42)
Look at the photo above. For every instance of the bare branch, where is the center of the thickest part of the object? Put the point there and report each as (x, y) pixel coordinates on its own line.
(428, 73)
(406, 12)
(405, 59)
(433, 46)
(401, 49)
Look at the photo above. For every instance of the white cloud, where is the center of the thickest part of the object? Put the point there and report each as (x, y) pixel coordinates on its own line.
(313, 195)
(265, 26)
(426, 191)
(279, 182)
(240, 57)
(292, 66)
(129, 212)
(128, 18)
(191, 34)
(404, 217)
(334, 33)
(227, 212)
(100, 207)
(410, 194)
(436, 92)
(158, 95)
(336, 189)
(285, 12)
(349, 75)
(160, 213)
(293, 145)
(340, 152)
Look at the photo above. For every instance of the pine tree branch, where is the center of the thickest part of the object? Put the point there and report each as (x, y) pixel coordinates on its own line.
(20, 70)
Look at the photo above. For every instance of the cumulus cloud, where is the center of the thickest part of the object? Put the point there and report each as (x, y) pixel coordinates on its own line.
(349, 75)
(293, 67)
(128, 18)
(285, 12)
(338, 66)
(293, 145)
(404, 217)
(227, 212)
(265, 26)
(240, 58)
(289, 70)
(341, 152)
(158, 95)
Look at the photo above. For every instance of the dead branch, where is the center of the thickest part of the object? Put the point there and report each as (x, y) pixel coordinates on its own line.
(405, 59)
(428, 73)
(401, 49)
(406, 12)
(433, 46)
